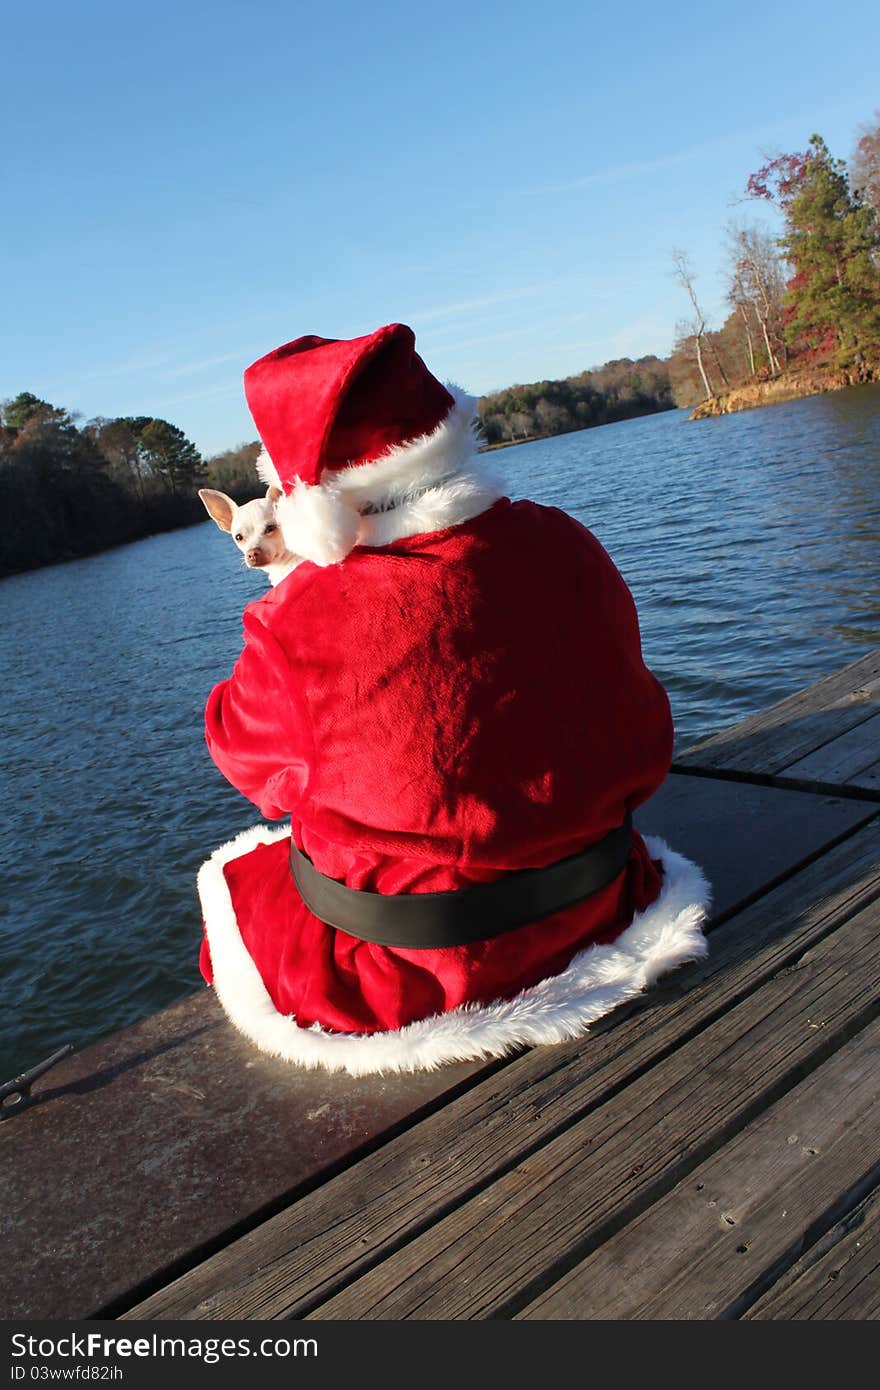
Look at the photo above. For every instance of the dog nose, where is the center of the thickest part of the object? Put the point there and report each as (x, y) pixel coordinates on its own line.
(254, 557)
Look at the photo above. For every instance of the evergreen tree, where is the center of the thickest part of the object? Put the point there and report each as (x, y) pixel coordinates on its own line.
(68, 491)
(832, 302)
(23, 408)
(170, 455)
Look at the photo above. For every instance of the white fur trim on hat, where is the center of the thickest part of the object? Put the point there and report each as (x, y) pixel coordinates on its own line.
(425, 485)
(266, 470)
(666, 935)
(326, 529)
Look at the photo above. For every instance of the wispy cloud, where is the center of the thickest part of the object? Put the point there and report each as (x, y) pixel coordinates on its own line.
(230, 388)
(128, 367)
(637, 169)
(190, 368)
(164, 366)
(620, 173)
(469, 341)
(547, 320)
(465, 305)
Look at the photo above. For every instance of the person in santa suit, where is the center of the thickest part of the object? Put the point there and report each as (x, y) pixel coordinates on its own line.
(447, 702)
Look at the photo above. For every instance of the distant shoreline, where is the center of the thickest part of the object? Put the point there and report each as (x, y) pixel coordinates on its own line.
(579, 429)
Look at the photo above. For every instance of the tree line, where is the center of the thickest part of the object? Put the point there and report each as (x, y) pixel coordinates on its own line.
(806, 298)
(618, 390)
(68, 490)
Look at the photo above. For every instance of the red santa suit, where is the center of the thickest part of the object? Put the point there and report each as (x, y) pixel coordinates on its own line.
(448, 690)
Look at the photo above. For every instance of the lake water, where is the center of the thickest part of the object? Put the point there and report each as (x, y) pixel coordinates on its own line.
(751, 544)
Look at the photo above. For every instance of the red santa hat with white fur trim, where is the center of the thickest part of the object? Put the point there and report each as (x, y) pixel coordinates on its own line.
(352, 429)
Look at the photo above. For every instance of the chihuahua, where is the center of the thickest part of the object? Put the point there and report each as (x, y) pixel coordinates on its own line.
(255, 531)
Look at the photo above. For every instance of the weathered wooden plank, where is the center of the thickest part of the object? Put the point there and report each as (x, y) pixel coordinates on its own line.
(770, 741)
(323, 1242)
(492, 1254)
(161, 1138)
(853, 760)
(708, 1247)
(747, 837)
(865, 784)
(869, 779)
(839, 1278)
(201, 1135)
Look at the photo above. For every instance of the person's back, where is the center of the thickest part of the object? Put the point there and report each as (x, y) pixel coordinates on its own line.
(451, 705)
(476, 701)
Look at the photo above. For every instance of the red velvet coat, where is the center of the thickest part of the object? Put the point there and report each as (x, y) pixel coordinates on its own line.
(431, 713)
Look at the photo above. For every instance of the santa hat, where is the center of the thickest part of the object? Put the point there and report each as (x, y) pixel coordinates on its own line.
(354, 428)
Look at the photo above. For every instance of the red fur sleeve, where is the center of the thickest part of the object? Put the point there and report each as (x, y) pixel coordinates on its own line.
(256, 726)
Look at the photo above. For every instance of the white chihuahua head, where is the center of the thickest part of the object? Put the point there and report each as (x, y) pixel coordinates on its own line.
(255, 531)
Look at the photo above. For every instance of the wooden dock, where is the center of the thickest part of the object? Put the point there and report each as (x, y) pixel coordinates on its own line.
(712, 1152)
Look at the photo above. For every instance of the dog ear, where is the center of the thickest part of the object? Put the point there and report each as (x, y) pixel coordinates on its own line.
(273, 494)
(219, 506)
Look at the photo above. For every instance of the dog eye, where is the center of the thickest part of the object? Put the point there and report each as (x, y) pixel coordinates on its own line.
(238, 536)
(270, 528)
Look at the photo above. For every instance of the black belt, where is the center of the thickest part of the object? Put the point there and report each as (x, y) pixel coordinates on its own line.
(427, 921)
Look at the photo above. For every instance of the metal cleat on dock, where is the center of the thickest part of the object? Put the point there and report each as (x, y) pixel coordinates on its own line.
(15, 1095)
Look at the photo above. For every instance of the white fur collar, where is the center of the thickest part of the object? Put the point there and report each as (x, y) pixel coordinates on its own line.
(426, 485)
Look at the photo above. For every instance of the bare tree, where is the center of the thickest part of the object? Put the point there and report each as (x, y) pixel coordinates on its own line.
(739, 300)
(864, 178)
(865, 166)
(697, 328)
(757, 270)
(551, 418)
(119, 443)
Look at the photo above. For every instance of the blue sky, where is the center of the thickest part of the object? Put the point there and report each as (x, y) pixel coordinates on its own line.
(188, 185)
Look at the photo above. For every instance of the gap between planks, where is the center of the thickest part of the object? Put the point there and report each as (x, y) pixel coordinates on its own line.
(839, 1278)
(779, 782)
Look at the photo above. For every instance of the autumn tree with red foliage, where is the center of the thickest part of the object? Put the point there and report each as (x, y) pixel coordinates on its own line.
(831, 238)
